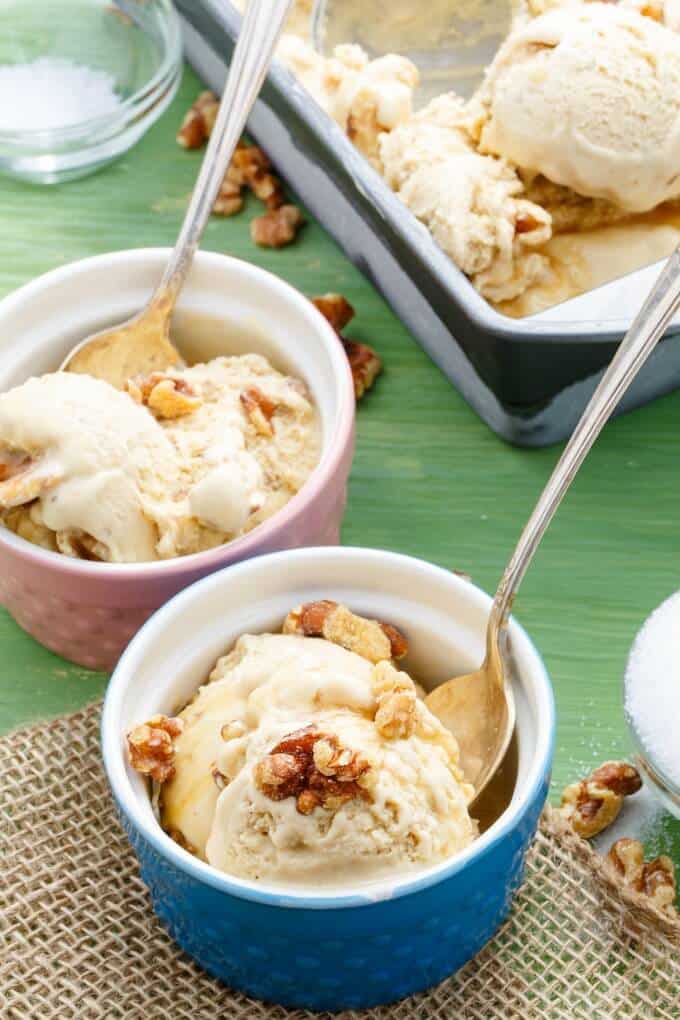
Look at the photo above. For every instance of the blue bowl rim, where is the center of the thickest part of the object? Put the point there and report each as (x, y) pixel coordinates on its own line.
(241, 889)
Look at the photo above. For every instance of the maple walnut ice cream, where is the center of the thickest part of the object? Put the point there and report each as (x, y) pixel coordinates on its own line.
(308, 756)
(179, 462)
(575, 128)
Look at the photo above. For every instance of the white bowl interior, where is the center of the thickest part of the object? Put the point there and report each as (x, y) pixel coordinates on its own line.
(443, 617)
(227, 307)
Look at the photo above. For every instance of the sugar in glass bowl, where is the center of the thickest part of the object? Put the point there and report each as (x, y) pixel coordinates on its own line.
(81, 81)
(652, 702)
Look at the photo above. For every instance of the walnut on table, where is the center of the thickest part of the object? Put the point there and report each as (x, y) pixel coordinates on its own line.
(250, 168)
(336, 309)
(165, 395)
(151, 747)
(277, 228)
(198, 121)
(229, 199)
(313, 768)
(364, 362)
(654, 880)
(592, 804)
(370, 639)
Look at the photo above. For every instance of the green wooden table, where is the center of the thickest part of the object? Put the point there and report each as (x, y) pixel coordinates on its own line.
(429, 478)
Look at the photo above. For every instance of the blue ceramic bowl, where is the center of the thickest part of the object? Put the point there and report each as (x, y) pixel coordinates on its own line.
(348, 947)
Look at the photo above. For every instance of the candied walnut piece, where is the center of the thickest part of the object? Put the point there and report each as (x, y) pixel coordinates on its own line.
(252, 168)
(335, 308)
(627, 858)
(593, 803)
(658, 883)
(525, 223)
(396, 700)
(259, 409)
(313, 768)
(654, 880)
(365, 365)
(151, 747)
(199, 121)
(229, 199)
(619, 776)
(166, 396)
(277, 228)
(371, 639)
(23, 478)
(12, 464)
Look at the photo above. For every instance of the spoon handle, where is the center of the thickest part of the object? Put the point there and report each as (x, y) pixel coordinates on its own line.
(635, 348)
(260, 30)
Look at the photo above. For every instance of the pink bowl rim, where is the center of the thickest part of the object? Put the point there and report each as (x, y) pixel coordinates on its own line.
(335, 447)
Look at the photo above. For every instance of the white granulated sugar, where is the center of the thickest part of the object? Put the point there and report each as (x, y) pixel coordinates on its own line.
(53, 93)
(653, 688)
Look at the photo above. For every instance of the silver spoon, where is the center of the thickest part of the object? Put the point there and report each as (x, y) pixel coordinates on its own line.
(142, 344)
(450, 44)
(479, 708)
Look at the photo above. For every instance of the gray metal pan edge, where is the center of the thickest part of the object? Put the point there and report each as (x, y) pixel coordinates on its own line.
(528, 379)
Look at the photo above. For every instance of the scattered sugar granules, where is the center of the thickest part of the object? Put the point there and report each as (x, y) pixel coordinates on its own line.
(53, 93)
(653, 688)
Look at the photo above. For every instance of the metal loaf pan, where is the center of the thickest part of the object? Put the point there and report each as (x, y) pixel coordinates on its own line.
(529, 379)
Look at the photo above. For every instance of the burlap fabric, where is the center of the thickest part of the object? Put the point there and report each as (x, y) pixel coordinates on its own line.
(78, 938)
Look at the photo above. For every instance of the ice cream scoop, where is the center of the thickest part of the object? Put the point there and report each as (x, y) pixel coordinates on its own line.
(180, 462)
(303, 760)
(587, 96)
(98, 464)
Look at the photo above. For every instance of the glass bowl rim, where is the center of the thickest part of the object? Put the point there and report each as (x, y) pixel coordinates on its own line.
(169, 67)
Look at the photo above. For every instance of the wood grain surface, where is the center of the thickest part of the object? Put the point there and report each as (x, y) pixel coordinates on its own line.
(429, 478)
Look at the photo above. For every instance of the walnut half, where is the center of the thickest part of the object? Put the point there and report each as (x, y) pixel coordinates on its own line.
(314, 768)
(199, 121)
(278, 227)
(593, 803)
(365, 364)
(335, 308)
(166, 396)
(370, 639)
(655, 880)
(151, 747)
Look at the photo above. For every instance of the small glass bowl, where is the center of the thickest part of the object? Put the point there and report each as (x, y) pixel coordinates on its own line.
(643, 659)
(136, 42)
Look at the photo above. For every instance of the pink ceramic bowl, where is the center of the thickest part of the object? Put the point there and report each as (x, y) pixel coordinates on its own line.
(88, 612)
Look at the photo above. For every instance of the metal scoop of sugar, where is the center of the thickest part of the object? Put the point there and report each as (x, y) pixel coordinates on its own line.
(142, 344)
(479, 708)
(450, 44)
